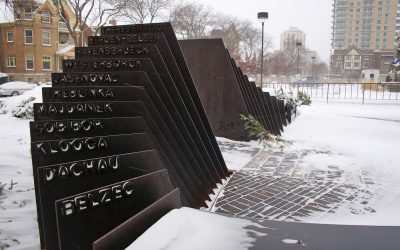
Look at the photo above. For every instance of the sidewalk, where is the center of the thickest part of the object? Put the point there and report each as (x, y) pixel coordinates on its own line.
(273, 185)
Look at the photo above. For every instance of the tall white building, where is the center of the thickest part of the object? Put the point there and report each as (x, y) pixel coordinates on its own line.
(291, 36)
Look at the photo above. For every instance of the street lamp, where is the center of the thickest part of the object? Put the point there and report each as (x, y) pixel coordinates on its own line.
(298, 45)
(262, 16)
(313, 61)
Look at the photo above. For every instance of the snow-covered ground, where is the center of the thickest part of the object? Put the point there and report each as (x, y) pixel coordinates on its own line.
(362, 140)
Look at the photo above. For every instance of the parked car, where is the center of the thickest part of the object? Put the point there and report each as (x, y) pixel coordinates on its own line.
(3, 78)
(15, 88)
(311, 79)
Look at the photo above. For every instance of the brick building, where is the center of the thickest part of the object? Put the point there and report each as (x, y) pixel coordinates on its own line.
(350, 62)
(33, 40)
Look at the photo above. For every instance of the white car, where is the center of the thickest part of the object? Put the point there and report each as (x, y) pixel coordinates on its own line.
(15, 88)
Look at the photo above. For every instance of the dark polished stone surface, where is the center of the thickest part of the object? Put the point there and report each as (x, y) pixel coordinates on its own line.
(216, 82)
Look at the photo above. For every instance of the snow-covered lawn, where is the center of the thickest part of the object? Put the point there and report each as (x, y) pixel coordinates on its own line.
(362, 140)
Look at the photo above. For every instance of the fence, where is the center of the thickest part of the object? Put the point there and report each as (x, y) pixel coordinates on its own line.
(350, 91)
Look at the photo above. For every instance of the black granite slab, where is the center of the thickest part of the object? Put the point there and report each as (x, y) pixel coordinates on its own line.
(83, 218)
(269, 111)
(215, 80)
(271, 103)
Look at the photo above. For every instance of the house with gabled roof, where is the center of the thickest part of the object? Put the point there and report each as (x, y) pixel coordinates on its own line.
(349, 63)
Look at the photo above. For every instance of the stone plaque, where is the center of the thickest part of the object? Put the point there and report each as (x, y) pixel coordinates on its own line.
(74, 149)
(272, 104)
(281, 108)
(66, 129)
(84, 217)
(123, 235)
(265, 121)
(215, 80)
(270, 111)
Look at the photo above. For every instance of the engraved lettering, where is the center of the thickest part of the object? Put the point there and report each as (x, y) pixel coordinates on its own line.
(84, 79)
(78, 169)
(96, 198)
(67, 208)
(75, 145)
(76, 108)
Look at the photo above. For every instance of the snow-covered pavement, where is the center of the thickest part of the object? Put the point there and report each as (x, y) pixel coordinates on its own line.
(337, 163)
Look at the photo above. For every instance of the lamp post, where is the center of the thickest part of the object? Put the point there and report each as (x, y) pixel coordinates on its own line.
(298, 45)
(262, 16)
(312, 68)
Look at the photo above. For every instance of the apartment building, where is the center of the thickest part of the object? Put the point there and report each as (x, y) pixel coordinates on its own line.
(364, 24)
(33, 41)
(291, 36)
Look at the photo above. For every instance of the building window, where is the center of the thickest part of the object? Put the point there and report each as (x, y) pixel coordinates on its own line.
(46, 17)
(11, 61)
(10, 37)
(29, 79)
(28, 36)
(29, 62)
(28, 14)
(46, 37)
(46, 62)
(63, 38)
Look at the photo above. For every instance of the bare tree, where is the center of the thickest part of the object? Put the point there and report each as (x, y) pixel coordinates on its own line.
(86, 13)
(225, 28)
(140, 11)
(191, 20)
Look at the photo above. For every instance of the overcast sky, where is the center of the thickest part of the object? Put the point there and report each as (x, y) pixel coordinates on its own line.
(313, 17)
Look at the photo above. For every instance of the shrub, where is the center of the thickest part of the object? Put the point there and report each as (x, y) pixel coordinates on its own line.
(255, 128)
(24, 109)
(303, 98)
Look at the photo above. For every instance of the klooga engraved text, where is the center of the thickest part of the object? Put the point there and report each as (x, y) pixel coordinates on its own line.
(92, 78)
(68, 126)
(90, 93)
(111, 51)
(78, 169)
(75, 108)
(124, 39)
(97, 198)
(112, 64)
(74, 145)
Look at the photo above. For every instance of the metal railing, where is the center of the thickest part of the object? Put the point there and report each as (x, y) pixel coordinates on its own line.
(341, 91)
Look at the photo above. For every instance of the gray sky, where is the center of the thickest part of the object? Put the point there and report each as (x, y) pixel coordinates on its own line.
(313, 17)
